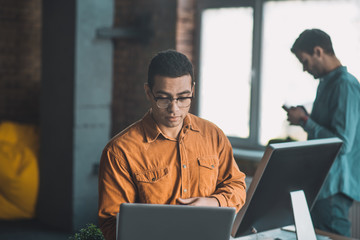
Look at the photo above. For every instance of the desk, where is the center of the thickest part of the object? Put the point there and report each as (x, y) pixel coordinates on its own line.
(333, 235)
(278, 234)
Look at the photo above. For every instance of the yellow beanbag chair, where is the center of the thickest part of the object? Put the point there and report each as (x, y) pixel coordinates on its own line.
(19, 174)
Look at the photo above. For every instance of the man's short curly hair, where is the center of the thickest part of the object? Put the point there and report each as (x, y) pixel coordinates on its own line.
(169, 63)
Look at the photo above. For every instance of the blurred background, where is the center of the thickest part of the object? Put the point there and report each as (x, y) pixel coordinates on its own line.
(72, 75)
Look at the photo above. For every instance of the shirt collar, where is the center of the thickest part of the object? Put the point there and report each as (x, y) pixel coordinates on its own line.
(333, 73)
(152, 130)
(190, 123)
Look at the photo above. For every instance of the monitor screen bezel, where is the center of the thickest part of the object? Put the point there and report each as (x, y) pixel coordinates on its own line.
(324, 150)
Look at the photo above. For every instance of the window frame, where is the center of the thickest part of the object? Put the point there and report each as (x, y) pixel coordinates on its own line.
(252, 142)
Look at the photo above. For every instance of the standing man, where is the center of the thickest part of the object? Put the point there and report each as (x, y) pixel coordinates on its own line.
(335, 113)
(169, 156)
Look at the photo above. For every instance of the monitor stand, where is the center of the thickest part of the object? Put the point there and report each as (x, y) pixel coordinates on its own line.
(303, 224)
(303, 228)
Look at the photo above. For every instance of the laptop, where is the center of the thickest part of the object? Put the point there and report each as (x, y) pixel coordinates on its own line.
(137, 221)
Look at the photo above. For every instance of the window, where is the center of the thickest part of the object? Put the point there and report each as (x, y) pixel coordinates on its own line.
(233, 49)
(247, 71)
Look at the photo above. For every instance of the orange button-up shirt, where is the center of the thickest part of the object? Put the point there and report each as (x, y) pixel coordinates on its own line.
(142, 165)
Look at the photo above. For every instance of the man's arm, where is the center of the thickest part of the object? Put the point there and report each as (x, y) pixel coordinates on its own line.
(346, 111)
(231, 188)
(299, 117)
(296, 115)
(115, 187)
(199, 201)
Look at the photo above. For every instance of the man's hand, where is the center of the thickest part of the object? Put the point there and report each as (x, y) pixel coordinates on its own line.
(296, 115)
(199, 201)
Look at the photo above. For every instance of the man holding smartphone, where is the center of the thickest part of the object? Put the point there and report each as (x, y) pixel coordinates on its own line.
(335, 113)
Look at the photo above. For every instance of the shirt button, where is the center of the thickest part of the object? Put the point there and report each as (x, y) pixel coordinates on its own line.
(185, 190)
(184, 166)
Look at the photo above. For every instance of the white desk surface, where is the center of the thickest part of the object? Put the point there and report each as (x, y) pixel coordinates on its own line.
(278, 234)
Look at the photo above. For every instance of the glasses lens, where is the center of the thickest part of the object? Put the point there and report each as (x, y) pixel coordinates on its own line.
(163, 103)
(184, 102)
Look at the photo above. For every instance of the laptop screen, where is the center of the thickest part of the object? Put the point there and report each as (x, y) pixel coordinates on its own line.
(138, 221)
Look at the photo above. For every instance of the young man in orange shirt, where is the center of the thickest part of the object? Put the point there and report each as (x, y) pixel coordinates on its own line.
(169, 156)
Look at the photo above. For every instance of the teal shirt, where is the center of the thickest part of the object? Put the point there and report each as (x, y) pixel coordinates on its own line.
(336, 113)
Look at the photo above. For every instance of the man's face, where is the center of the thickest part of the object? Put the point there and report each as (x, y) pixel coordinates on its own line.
(170, 118)
(311, 63)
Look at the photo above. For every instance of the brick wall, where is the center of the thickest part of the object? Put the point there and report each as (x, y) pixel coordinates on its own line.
(185, 28)
(132, 56)
(20, 60)
(186, 37)
(20, 54)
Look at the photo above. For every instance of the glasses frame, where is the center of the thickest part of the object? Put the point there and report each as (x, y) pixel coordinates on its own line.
(171, 99)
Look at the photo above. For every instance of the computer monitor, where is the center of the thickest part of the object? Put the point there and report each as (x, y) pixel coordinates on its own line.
(284, 168)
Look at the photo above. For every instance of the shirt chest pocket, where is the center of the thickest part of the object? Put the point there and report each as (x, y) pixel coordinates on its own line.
(153, 185)
(151, 176)
(208, 174)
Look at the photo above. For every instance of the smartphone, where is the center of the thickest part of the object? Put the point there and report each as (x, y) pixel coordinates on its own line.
(286, 107)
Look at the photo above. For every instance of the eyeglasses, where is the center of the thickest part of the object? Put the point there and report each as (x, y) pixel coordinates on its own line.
(164, 102)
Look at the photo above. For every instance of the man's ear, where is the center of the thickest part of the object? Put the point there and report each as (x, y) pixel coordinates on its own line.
(147, 91)
(318, 51)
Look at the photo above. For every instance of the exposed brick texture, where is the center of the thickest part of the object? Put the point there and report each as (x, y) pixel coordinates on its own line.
(20, 54)
(131, 56)
(186, 35)
(185, 28)
(20, 60)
